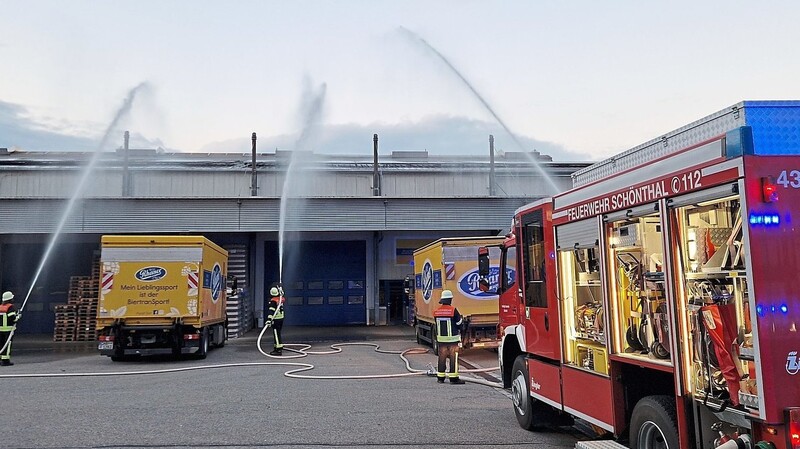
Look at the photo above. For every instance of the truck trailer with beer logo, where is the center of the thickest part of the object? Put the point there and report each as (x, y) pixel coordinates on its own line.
(451, 264)
(658, 298)
(161, 295)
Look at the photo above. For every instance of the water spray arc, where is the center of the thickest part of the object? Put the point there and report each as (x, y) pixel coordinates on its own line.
(311, 119)
(416, 38)
(121, 113)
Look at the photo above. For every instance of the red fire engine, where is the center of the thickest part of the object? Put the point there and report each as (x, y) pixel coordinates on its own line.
(657, 299)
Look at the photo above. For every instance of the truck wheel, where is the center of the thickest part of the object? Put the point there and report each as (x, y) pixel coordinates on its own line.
(203, 351)
(654, 424)
(434, 341)
(223, 331)
(531, 414)
(119, 355)
(416, 331)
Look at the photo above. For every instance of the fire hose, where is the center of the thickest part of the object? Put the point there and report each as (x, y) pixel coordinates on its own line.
(301, 351)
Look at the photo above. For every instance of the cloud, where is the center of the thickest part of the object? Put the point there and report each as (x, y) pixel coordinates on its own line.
(19, 130)
(439, 135)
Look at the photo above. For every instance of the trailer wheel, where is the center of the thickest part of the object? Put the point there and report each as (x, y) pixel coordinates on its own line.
(654, 424)
(632, 338)
(203, 351)
(531, 414)
(659, 350)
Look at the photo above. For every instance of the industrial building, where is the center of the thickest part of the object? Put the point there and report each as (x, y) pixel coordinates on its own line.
(349, 223)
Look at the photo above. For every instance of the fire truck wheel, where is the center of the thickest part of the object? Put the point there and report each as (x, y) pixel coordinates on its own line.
(416, 332)
(654, 424)
(531, 414)
(434, 341)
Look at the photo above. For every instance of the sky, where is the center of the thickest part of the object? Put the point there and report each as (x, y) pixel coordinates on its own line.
(578, 80)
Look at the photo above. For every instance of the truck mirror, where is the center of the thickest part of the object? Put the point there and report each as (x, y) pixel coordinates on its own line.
(483, 261)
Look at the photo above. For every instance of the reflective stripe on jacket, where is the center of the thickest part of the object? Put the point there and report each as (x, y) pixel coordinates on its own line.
(448, 324)
(8, 317)
(276, 308)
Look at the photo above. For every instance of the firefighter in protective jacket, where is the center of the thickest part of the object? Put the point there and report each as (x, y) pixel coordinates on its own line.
(275, 318)
(448, 335)
(8, 318)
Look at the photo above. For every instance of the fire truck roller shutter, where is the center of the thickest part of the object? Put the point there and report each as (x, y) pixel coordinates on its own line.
(633, 212)
(704, 195)
(581, 234)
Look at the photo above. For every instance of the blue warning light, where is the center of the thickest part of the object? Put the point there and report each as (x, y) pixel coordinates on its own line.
(761, 310)
(765, 219)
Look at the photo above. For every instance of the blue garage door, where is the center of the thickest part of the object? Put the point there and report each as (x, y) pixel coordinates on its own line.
(324, 282)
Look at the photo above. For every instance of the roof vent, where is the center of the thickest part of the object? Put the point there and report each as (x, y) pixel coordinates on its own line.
(530, 155)
(141, 151)
(413, 154)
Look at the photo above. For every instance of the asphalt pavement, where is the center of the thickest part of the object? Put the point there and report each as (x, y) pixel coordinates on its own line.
(35, 349)
(237, 398)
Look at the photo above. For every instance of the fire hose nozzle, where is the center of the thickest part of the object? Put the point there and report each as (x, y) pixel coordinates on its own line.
(431, 371)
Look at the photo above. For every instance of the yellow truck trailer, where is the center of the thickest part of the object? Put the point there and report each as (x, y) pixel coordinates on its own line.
(452, 264)
(161, 295)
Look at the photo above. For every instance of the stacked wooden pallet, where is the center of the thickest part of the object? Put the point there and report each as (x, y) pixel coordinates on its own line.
(240, 309)
(87, 309)
(66, 322)
(76, 320)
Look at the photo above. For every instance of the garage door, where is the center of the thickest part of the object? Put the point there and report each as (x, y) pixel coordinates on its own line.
(324, 282)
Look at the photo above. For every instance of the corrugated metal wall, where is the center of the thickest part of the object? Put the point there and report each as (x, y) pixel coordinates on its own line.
(211, 194)
(174, 178)
(24, 216)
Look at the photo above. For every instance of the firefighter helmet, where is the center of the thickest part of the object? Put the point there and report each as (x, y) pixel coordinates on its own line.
(274, 291)
(8, 296)
(446, 298)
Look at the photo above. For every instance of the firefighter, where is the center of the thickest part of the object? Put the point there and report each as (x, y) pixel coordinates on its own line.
(275, 318)
(448, 335)
(8, 318)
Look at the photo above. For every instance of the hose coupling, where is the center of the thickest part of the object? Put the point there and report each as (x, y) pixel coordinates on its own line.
(431, 370)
